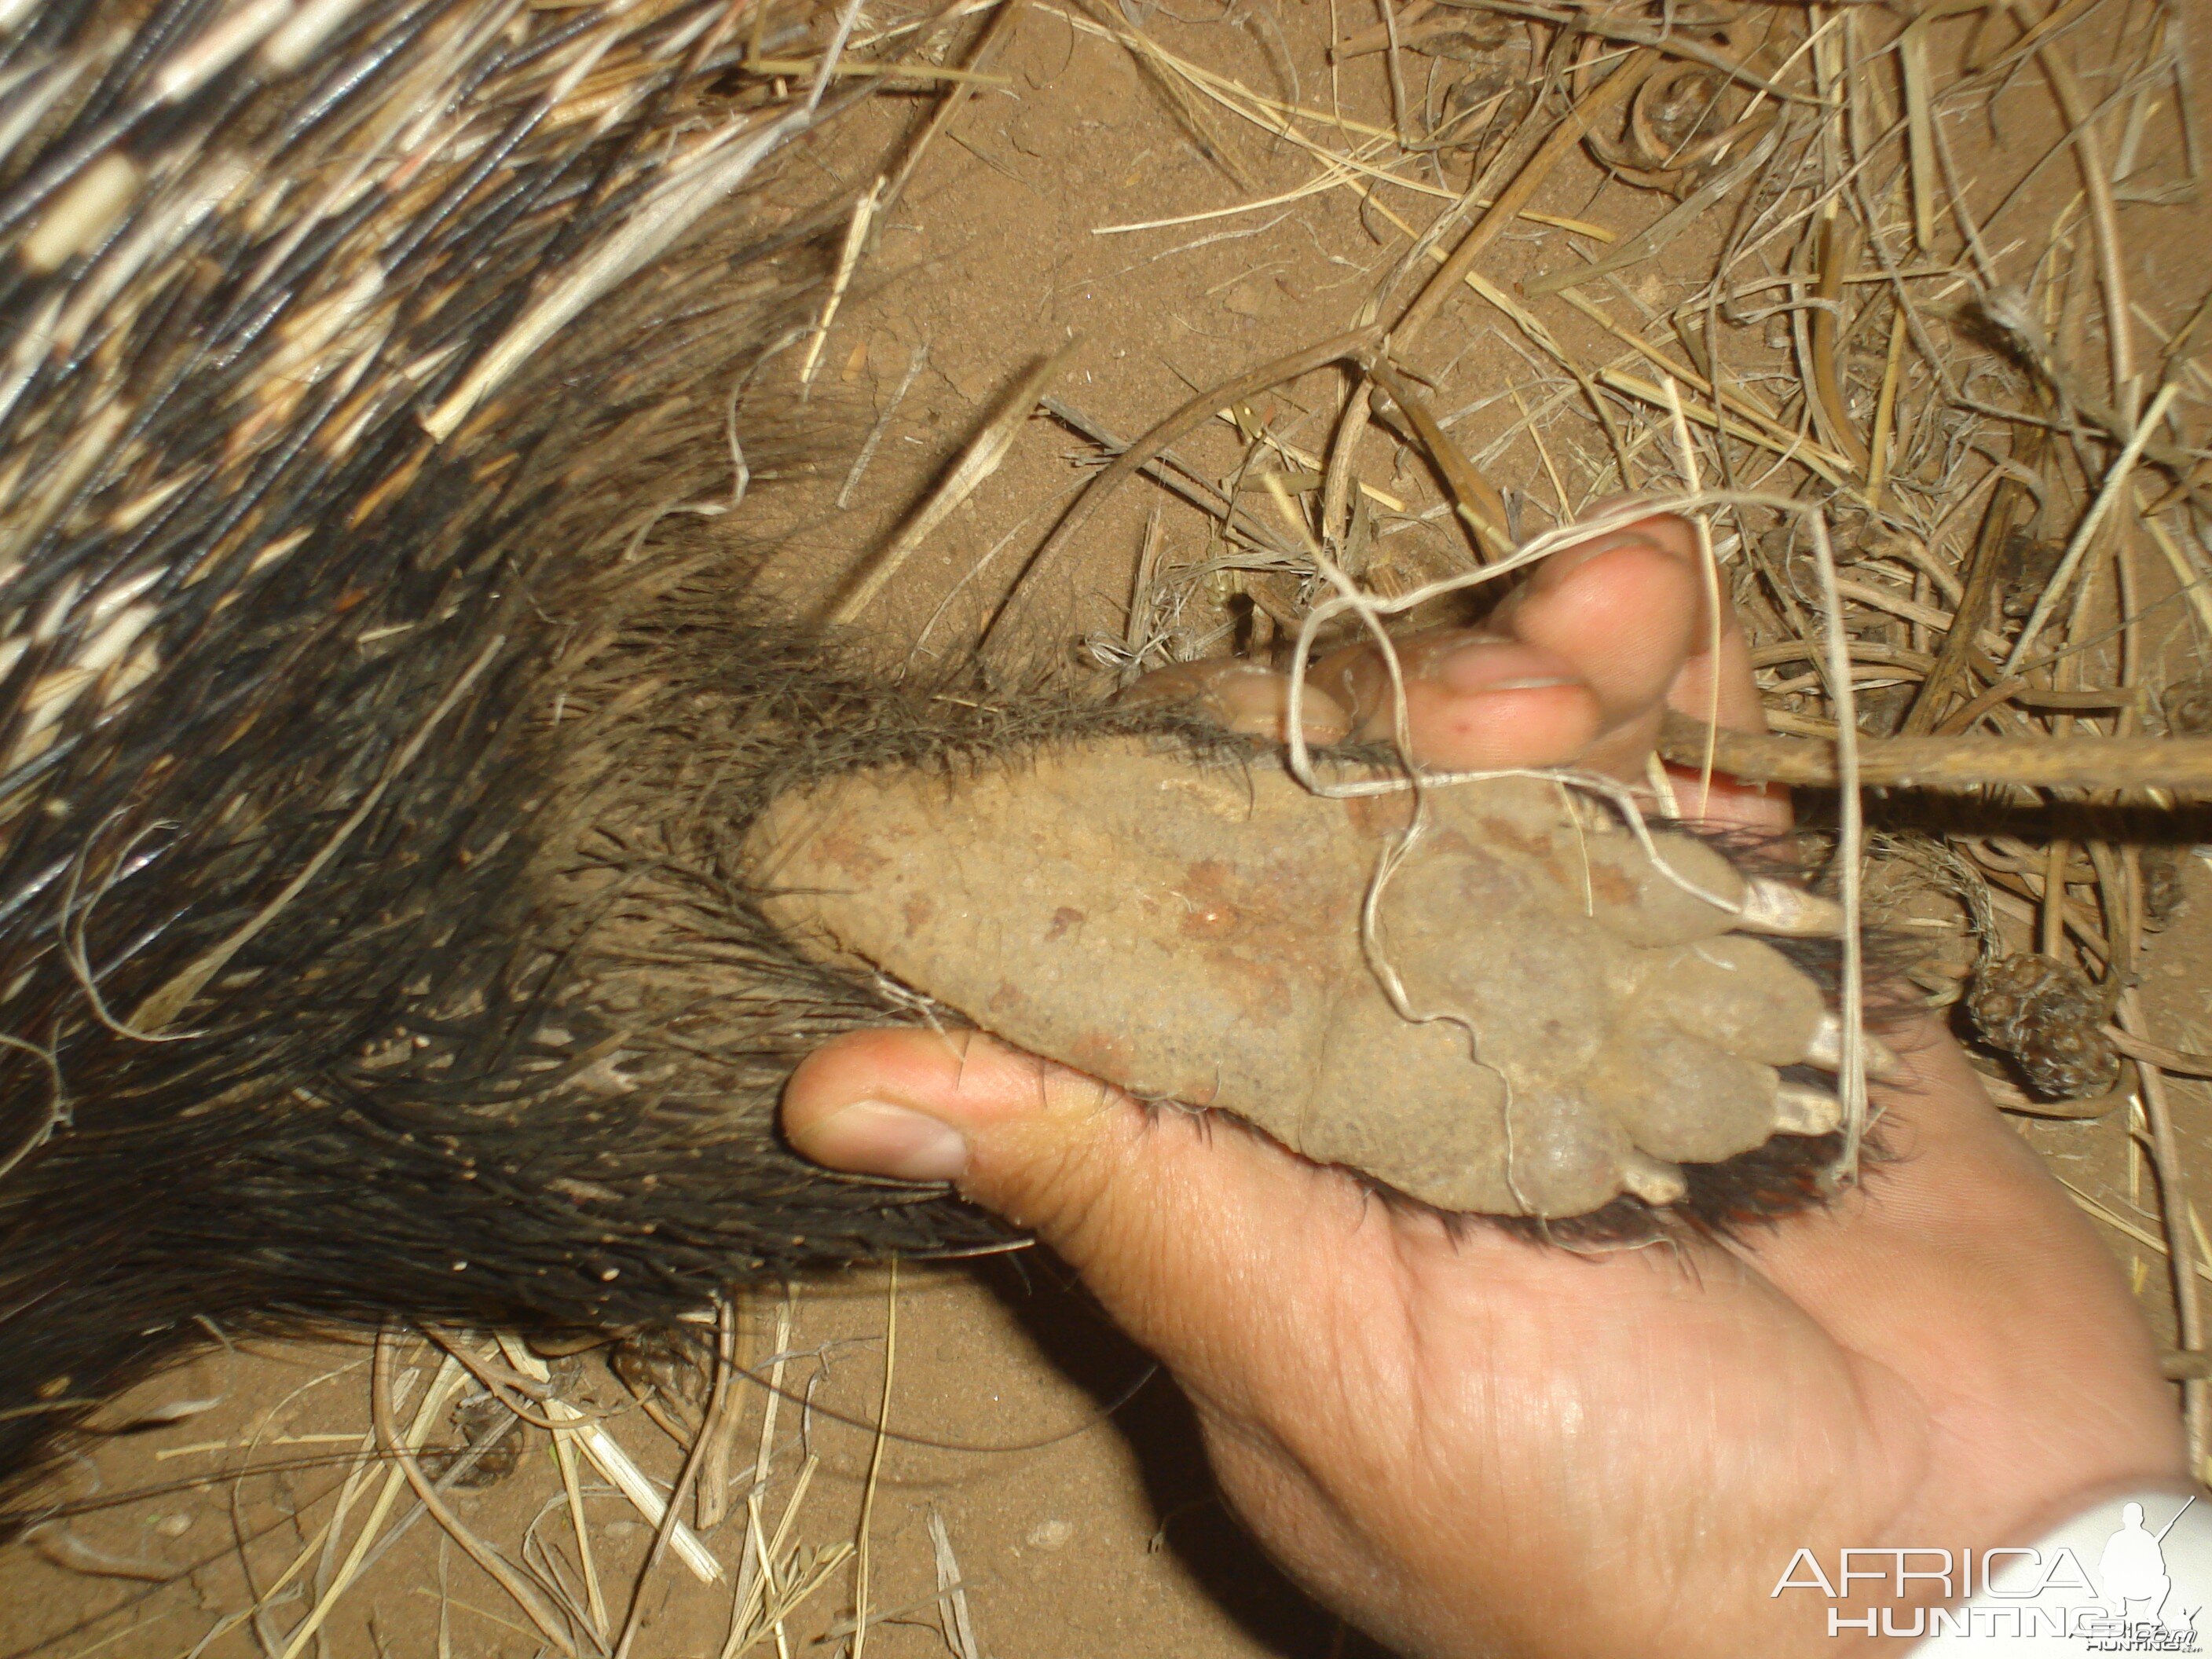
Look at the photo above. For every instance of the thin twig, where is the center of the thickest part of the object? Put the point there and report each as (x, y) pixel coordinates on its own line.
(670, 1516)
(875, 1467)
(2181, 1248)
(388, 1434)
(2181, 764)
(1146, 449)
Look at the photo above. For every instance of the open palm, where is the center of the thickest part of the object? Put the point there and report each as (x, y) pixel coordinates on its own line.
(1471, 1444)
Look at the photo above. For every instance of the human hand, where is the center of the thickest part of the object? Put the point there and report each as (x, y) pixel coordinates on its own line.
(1472, 1444)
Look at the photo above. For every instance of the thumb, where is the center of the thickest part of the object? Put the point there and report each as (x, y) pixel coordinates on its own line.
(1186, 1231)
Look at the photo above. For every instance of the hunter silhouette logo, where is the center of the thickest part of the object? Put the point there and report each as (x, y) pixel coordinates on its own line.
(2043, 1600)
(2132, 1569)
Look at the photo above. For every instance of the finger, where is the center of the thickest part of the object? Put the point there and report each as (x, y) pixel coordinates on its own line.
(1715, 686)
(1218, 1252)
(1634, 610)
(1578, 666)
(1715, 682)
(1473, 700)
(1197, 1235)
(1244, 698)
(1625, 610)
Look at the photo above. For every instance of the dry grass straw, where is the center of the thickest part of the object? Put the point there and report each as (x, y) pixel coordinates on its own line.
(861, 1555)
(986, 451)
(434, 1399)
(776, 1577)
(403, 1453)
(670, 1513)
(954, 1622)
(562, 1603)
(848, 259)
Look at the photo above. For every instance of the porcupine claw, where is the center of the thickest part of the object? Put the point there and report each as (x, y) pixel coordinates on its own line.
(1801, 1109)
(1652, 1180)
(1784, 911)
(1827, 1054)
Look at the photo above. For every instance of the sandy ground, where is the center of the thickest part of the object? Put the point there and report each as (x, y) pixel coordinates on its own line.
(1072, 1529)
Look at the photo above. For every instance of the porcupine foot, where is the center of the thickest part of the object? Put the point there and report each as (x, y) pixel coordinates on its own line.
(1586, 1022)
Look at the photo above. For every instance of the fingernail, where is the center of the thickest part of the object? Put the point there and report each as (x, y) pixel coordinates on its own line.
(876, 1137)
(1495, 666)
(1549, 575)
(1247, 701)
(1256, 703)
(1245, 698)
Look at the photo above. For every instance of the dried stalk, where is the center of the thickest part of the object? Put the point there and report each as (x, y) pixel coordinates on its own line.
(2158, 1055)
(1573, 127)
(395, 1447)
(2181, 1248)
(1147, 449)
(1984, 567)
(692, 1459)
(984, 455)
(2182, 765)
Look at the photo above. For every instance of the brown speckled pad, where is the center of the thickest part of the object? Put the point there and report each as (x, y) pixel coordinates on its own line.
(1583, 1023)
